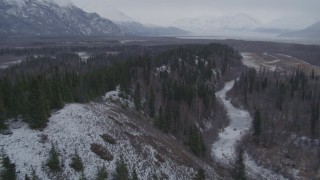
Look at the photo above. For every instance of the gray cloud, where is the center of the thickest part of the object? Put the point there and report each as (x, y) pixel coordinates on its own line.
(166, 11)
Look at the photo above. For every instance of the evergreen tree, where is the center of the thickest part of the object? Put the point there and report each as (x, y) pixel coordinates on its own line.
(134, 175)
(38, 110)
(159, 122)
(312, 74)
(121, 170)
(34, 175)
(2, 116)
(9, 169)
(26, 177)
(56, 97)
(102, 173)
(195, 142)
(257, 124)
(53, 161)
(137, 98)
(151, 102)
(82, 177)
(76, 162)
(239, 167)
(314, 119)
(200, 175)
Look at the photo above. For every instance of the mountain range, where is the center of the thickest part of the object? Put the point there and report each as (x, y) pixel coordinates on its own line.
(210, 25)
(62, 17)
(58, 17)
(240, 25)
(47, 17)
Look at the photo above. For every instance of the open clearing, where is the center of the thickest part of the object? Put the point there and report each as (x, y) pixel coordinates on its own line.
(282, 63)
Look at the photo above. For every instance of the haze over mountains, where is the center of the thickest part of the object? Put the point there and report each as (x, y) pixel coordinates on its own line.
(63, 17)
(242, 24)
(310, 32)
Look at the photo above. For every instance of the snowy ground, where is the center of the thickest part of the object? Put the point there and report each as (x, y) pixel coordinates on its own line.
(83, 55)
(6, 65)
(223, 150)
(252, 61)
(249, 61)
(282, 63)
(76, 126)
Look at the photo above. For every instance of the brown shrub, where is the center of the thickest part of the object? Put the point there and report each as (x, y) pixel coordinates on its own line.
(101, 151)
(108, 138)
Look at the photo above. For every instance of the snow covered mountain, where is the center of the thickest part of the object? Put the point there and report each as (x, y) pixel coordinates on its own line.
(138, 29)
(129, 25)
(311, 32)
(210, 25)
(106, 11)
(285, 25)
(51, 17)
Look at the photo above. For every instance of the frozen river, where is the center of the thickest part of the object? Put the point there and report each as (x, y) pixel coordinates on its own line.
(224, 149)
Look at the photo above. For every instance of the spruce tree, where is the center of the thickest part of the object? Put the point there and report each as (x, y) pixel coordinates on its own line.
(34, 175)
(159, 122)
(134, 175)
(38, 110)
(9, 169)
(314, 119)
(200, 175)
(76, 162)
(101, 173)
(53, 161)
(2, 116)
(56, 99)
(26, 177)
(257, 124)
(82, 177)
(195, 142)
(137, 98)
(121, 170)
(239, 167)
(151, 103)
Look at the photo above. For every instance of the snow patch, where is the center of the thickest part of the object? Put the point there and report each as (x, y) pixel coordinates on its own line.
(83, 55)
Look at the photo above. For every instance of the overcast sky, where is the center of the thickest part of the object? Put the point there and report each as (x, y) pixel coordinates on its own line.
(164, 12)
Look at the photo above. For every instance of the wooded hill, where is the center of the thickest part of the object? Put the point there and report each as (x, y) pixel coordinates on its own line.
(173, 85)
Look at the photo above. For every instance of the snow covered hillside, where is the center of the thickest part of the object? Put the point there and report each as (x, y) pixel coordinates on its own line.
(77, 126)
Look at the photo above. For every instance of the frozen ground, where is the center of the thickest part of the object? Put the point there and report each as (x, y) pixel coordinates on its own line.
(224, 149)
(282, 63)
(83, 55)
(6, 65)
(249, 61)
(253, 61)
(76, 126)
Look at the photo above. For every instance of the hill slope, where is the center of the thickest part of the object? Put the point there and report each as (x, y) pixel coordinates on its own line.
(77, 126)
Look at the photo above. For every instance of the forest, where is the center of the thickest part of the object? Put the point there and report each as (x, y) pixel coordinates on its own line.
(173, 85)
(285, 112)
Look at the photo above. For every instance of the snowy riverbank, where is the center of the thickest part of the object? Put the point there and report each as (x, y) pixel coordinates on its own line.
(224, 149)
